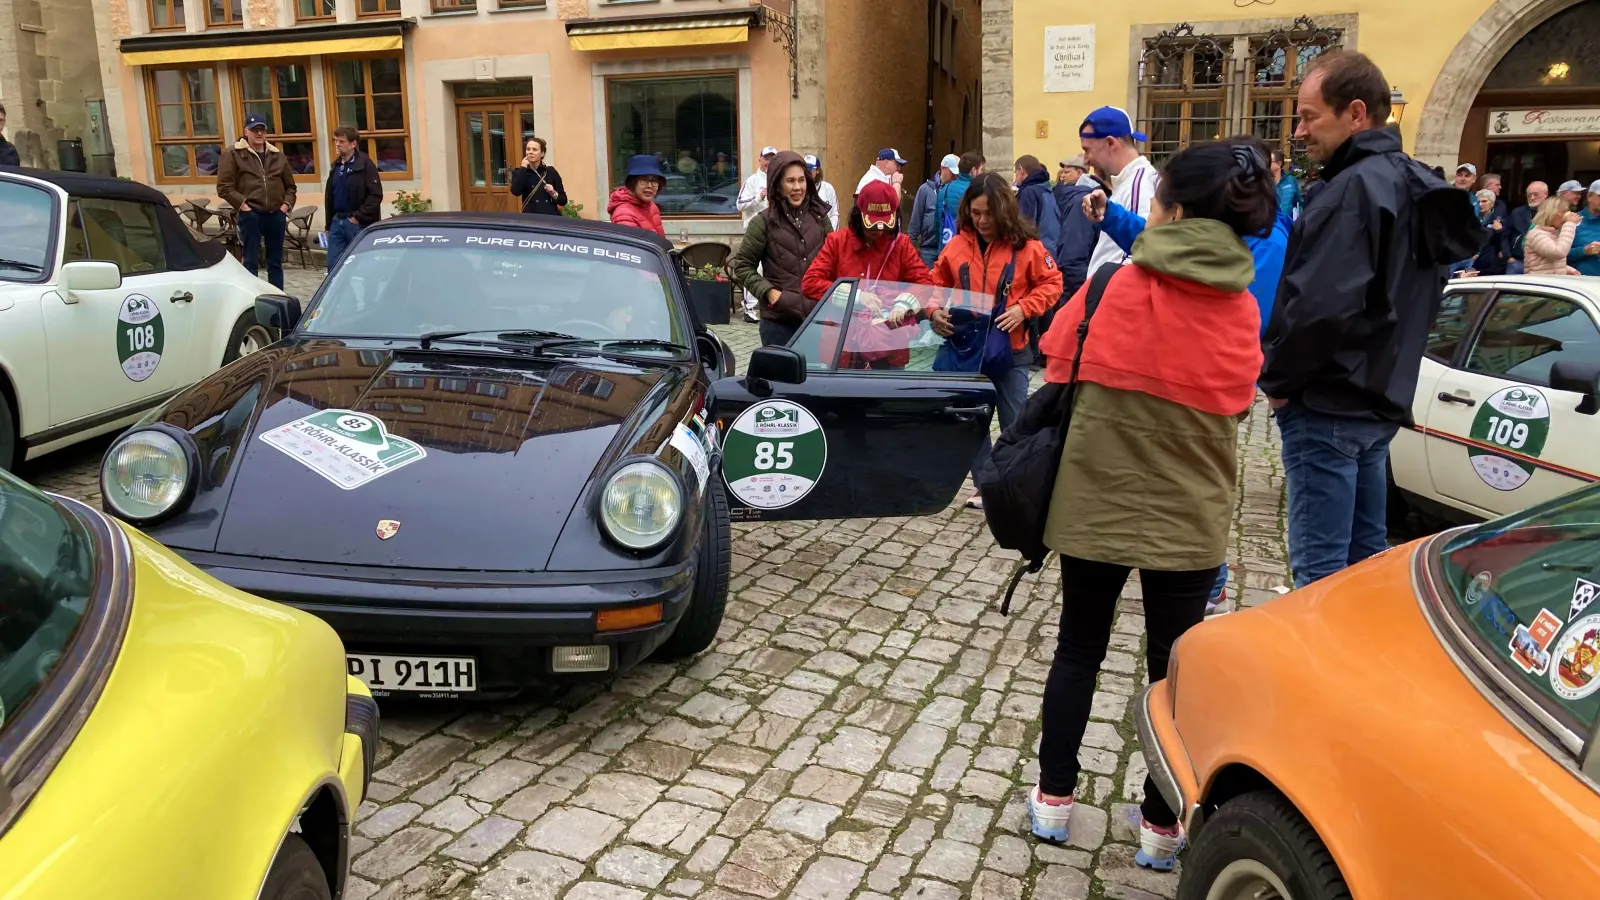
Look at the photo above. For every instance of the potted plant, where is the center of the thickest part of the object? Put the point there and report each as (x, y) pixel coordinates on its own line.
(408, 202)
(711, 293)
(572, 210)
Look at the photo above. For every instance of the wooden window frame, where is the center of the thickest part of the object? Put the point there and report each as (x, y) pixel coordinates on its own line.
(452, 6)
(738, 139)
(236, 75)
(174, 10)
(381, 13)
(369, 136)
(190, 140)
(227, 8)
(520, 4)
(328, 17)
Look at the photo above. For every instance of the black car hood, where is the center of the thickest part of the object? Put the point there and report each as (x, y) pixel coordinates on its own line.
(488, 453)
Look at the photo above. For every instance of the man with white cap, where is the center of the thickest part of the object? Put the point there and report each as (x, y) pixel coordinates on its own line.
(1466, 176)
(1585, 253)
(886, 169)
(924, 224)
(1109, 146)
(753, 195)
(825, 191)
(1570, 192)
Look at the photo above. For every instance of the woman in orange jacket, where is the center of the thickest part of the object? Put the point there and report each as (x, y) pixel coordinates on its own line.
(992, 238)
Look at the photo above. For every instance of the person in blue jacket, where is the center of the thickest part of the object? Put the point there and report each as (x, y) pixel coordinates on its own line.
(1036, 203)
(1585, 255)
(950, 195)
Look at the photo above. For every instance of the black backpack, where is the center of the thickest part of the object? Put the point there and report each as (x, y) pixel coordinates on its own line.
(1019, 478)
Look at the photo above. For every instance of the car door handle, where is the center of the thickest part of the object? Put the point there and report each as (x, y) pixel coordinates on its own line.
(962, 412)
(1453, 398)
(185, 296)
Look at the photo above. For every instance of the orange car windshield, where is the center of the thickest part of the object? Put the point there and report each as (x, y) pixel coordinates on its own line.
(1528, 585)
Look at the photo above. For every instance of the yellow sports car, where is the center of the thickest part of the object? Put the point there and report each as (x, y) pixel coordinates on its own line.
(162, 735)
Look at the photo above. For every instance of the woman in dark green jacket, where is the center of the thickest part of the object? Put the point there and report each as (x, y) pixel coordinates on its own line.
(779, 246)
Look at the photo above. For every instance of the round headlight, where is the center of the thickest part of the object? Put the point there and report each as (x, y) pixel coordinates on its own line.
(144, 475)
(640, 505)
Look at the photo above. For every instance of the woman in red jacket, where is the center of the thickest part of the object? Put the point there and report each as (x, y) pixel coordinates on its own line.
(992, 235)
(635, 202)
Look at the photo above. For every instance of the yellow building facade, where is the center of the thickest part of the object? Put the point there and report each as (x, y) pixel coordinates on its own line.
(1508, 85)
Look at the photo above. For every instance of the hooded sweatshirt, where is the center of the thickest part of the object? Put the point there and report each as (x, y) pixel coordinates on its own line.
(1149, 468)
(779, 245)
(950, 204)
(625, 208)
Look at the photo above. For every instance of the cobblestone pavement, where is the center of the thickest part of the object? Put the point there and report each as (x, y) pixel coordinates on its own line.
(865, 727)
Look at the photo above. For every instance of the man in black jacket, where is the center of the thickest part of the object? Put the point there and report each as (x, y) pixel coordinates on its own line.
(8, 150)
(1520, 221)
(354, 193)
(1351, 320)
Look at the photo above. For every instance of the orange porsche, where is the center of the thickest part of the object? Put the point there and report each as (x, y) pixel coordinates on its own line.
(1421, 725)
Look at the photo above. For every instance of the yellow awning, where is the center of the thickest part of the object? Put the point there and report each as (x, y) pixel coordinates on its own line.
(669, 37)
(264, 51)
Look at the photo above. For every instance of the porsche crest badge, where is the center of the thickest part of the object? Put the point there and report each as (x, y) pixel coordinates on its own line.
(387, 528)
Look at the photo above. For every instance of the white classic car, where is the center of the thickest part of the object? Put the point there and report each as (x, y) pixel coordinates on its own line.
(1507, 410)
(108, 305)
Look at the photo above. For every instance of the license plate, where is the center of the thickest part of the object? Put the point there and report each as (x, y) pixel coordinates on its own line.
(441, 675)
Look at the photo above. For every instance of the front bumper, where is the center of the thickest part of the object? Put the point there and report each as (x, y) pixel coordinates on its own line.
(508, 621)
(1166, 756)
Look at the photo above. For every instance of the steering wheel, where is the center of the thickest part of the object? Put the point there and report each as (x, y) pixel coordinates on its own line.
(593, 327)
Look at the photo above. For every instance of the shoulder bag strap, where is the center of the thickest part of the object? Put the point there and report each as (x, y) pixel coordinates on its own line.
(1091, 301)
(528, 200)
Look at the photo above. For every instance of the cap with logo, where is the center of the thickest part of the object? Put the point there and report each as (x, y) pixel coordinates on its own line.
(1110, 122)
(879, 203)
(811, 161)
(769, 151)
(1570, 185)
(951, 162)
(1468, 168)
(254, 121)
(891, 153)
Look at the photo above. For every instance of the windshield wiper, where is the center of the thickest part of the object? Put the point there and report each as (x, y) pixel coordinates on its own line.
(432, 336)
(19, 264)
(609, 343)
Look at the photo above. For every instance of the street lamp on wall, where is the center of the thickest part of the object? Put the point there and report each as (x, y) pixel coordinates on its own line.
(1397, 106)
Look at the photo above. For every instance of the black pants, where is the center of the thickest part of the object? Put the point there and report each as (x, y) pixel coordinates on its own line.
(257, 227)
(1173, 603)
(777, 334)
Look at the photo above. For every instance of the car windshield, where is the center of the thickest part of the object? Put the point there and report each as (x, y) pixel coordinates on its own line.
(1527, 585)
(46, 579)
(25, 229)
(408, 284)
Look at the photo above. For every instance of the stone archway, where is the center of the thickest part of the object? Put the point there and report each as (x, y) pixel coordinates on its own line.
(1444, 115)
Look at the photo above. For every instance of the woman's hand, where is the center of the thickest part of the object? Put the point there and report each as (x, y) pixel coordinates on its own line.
(1570, 217)
(550, 189)
(941, 322)
(1010, 320)
(1496, 225)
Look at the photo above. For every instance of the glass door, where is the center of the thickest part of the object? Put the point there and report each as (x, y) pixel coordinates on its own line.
(489, 153)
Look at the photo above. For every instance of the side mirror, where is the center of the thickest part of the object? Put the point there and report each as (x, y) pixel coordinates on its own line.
(778, 364)
(1580, 378)
(278, 311)
(715, 354)
(90, 275)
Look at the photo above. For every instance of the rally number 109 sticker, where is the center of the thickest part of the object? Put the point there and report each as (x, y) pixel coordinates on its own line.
(1518, 419)
(774, 454)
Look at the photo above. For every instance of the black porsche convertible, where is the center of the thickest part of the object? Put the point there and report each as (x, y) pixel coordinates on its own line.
(496, 450)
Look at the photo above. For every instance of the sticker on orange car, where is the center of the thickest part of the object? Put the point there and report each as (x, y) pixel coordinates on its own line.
(1583, 594)
(1478, 587)
(1530, 645)
(1576, 673)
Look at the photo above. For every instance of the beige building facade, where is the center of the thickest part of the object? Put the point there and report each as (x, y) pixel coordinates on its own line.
(50, 82)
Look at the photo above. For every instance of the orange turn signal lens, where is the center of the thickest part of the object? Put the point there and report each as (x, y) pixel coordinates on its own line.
(631, 617)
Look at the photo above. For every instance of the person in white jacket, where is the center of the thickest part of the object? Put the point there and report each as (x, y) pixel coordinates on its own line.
(825, 190)
(1109, 145)
(753, 195)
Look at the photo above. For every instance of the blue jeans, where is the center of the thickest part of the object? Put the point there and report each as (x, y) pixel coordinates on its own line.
(341, 234)
(255, 227)
(1011, 392)
(1336, 473)
(1515, 267)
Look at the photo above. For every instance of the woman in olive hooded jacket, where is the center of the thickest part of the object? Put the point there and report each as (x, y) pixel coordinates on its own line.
(1149, 469)
(779, 245)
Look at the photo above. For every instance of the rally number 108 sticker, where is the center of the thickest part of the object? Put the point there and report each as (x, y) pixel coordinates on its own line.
(140, 337)
(774, 454)
(1518, 419)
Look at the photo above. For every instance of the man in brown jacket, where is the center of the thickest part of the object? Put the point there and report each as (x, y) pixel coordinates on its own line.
(255, 178)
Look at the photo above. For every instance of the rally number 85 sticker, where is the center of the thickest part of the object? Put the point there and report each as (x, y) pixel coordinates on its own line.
(774, 454)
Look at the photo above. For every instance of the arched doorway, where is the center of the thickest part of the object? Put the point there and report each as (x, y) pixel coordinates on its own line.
(1455, 118)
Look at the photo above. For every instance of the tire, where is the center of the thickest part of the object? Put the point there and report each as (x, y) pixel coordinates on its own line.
(1258, 845)
(698, 628)
(8, 434)
(296, 874)
(247, 337)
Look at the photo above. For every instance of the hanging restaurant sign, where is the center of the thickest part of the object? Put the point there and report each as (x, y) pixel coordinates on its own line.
(1523, 122)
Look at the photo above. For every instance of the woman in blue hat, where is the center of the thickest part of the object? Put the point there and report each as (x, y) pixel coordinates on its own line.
(635, 202)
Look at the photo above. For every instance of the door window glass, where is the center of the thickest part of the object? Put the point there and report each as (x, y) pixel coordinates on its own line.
(123, 232)
(25, 227)
(1525, 334)
(823, 328)
(1456, 315)
(46, 580)
(897, 327)
(1528, 588)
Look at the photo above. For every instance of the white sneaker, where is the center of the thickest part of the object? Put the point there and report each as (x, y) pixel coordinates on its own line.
(1158, 849)
(1049, 820)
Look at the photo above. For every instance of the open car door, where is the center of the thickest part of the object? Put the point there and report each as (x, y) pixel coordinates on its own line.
(868, 412)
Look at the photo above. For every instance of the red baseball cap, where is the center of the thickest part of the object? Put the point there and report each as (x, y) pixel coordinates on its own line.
(879, 203)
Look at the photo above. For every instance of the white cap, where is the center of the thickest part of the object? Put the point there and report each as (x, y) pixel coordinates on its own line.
(1469, 167)
(811, 160)
(769, 151)
(951, 162)
(1569, 185)
(1594, 187)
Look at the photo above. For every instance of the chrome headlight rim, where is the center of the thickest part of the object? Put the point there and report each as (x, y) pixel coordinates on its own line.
(639, 463)
(188, 452)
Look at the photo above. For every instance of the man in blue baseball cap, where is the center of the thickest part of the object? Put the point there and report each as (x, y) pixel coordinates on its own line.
(255, 178)
(886, 169)
(1110, 146)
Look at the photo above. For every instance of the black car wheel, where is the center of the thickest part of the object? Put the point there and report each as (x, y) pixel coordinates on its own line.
(248, 336)
(698, 627)
(8, 434)
(1259, 847)
(296, 874)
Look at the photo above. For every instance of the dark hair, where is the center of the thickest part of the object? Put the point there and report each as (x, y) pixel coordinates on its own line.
(971, 160)
(1010, 226)
(1277, 151)
(1348, 76)
(544, 146)
(348, 132)
(2, 109)
(1223, 180)
(1030, 164)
